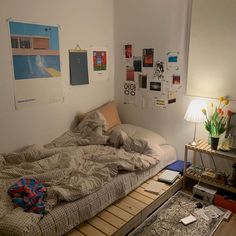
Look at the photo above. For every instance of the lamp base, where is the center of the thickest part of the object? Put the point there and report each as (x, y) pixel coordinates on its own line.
(193, 143)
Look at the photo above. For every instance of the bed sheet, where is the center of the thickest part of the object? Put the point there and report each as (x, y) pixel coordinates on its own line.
(66, 216)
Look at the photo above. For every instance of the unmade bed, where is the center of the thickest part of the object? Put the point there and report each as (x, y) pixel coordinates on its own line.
(68, 213)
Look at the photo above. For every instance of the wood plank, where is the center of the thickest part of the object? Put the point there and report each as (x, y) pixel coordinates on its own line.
(74, 232)
(111, 219)
(134, 202)
(141, 197)
(102, 225)
(89, 230)
(124, 215)
(126, 206)
(146, 193)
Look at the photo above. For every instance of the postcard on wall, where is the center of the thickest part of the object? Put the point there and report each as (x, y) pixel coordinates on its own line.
(78, 67)
(156, 86)
(129, 73)
(148, 55)
(159, 70)
(172, 97)
(142, 81)
(129, 93)
(36, 63)
(176, 81)
(137, 64)
(99, 63)
(128, 52)
(173, 61)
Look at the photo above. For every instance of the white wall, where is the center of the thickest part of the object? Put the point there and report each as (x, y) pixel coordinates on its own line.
(83, 22)
(160, 24)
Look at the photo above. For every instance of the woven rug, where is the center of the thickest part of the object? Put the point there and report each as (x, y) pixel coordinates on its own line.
(165, 221)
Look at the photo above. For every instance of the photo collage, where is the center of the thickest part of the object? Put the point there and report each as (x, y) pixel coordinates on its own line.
(150, 81)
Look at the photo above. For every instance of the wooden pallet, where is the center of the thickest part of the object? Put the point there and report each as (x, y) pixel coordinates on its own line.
(127, 213)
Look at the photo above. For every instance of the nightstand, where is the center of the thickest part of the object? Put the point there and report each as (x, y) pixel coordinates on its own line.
(198, 174)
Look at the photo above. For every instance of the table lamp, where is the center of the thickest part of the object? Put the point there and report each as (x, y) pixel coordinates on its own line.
(194, 114)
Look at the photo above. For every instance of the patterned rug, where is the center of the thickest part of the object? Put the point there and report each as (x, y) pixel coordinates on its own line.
(165, 221)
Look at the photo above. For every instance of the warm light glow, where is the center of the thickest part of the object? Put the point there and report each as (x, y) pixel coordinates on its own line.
(194, 112)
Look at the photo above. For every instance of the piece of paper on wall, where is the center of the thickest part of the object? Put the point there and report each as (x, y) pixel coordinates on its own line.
(160, 102)
(159, 70)
(78, 67)
(137, 64)
(142, 81)
(100, 63)
(129, 93)
(176, 81)
(148, 57)
(129, 73)
(172, 97)
(36, 63)
(155, 86)
(173, 61)
(128, 51)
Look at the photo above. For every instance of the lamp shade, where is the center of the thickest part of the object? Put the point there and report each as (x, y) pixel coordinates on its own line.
(194, 112)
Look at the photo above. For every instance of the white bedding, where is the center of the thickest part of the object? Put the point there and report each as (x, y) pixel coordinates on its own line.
(67, 215)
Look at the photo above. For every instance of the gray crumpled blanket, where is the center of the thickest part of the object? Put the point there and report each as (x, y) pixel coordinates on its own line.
(75, 164)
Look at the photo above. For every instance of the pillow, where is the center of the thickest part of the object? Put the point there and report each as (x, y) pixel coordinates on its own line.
(136, 131)
(110, 113)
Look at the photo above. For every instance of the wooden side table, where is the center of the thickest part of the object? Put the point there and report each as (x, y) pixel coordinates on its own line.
(203, 147)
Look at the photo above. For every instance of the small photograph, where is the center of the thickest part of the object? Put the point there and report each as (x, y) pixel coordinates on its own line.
(128, 51)
(155, 86)
(137, 64)
(129, 73)
(159, 70)
(148, 54)
(173, 61)
(176, 80)
(171, 97)
(142, 79)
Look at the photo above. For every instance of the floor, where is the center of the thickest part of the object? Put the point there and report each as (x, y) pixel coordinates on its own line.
(227, 228)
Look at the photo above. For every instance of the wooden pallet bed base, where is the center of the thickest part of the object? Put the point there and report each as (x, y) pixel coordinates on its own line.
(127, 213)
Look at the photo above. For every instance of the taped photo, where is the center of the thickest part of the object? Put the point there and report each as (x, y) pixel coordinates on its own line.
(148, 55)
(155, 86)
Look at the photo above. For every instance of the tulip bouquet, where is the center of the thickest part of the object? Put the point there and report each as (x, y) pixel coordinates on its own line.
(217, 118)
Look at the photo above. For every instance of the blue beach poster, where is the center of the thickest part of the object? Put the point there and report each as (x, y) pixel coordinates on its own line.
(35, 50)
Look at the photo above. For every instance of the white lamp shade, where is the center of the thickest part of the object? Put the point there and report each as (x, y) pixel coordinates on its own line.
(194, 112)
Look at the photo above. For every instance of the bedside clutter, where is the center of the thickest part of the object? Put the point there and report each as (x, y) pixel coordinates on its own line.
(211, 195)
(226, 200)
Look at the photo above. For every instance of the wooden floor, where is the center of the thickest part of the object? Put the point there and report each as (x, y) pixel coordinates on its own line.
(227, 228)
(124, 215)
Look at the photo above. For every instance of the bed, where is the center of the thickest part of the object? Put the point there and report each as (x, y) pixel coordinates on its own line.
(153, 155)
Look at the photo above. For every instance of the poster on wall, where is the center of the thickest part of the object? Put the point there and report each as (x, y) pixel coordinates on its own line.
(148, 54)
(36, 63)
(78, 67)
(99, 63)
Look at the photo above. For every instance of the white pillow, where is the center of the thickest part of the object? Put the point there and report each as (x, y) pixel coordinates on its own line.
(139, 132)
